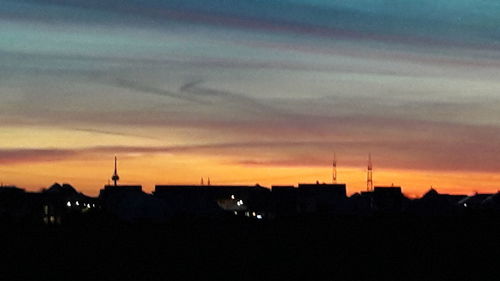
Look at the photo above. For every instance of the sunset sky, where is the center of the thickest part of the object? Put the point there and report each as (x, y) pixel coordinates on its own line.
(251, 91)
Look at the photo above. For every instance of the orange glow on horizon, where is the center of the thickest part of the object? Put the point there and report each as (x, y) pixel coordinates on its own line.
(90, 174)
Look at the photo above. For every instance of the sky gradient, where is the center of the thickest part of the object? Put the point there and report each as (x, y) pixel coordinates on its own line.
(251, 91)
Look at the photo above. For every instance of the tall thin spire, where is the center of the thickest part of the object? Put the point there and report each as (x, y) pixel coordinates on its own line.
(334, 169)
(115, 176)
(201, 182)
(369, 176)
(208, 181)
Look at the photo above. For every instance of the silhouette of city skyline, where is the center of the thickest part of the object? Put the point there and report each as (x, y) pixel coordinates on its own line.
(310, 230)
(57, 203)
(249, 140)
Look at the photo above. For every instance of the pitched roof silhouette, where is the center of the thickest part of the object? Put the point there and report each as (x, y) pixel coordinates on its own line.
(64, 188)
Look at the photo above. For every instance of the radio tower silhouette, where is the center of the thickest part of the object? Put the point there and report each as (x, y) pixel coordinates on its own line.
(334, 169)
(369, 176)
(115, 176)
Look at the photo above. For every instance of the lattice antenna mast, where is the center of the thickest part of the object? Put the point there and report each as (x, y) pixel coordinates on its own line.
(334, 169)
(115, 176)
(369, 176)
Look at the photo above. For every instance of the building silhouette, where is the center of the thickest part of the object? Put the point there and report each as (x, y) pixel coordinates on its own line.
(61, 204)
(433, 203)
(321, 198)
(284, 199)
(130, 203)
(213, 200)
(387, 199)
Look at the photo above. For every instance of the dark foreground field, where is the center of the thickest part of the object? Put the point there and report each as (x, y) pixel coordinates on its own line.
(389, 248)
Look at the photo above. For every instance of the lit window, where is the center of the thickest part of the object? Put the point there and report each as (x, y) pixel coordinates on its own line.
(235, 213)
(68, 204)
(259, 217)
(232, 196)
(465, 205)
(78, 204)
(253, 214)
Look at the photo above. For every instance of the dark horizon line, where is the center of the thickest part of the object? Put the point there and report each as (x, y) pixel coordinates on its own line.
(297, 186)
